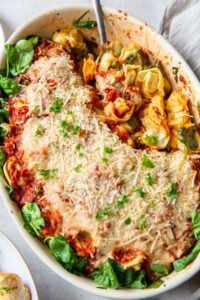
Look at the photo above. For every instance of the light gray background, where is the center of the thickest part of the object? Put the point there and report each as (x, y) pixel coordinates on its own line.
(50, 287)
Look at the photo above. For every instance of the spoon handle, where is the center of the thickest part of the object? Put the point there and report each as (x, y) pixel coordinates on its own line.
(100, 22)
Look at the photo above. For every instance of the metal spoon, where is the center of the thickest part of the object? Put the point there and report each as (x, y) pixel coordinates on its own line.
(100, 23)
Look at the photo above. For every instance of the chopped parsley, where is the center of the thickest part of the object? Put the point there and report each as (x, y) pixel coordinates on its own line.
(78, 146)
(49, 174)
(75, 129)
(78, 168)
(105, 160)
(142, 223)
(151, 140)
(121, 200)
(172, 193)
(81, 154)
(146, 162)
(64, 128)
(149, 179)
(107, 150)
(39, 130)
(70, 112)
(139, 191)
(103, 212)
(127, 221)
(57, 105)
(38, 190)
(37, 109)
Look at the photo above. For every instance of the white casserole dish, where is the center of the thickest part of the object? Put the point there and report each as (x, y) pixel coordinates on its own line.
(124, 28)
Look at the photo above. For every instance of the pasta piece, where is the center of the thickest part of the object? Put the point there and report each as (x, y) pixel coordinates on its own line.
(119, 110)
(89, 68)
(115, 47)
(129, 53)
(151, 82)
(130, 73)
(129, 258)
(72, 36)
(156, 134)
(107, 60)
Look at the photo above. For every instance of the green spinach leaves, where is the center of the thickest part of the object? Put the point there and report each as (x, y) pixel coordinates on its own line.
(33, 220)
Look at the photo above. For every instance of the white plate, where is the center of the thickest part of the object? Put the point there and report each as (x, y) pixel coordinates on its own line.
(2, 37)
(12, 262)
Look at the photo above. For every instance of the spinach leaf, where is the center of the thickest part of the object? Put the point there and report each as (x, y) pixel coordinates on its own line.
(4, 129)
(106, 277)
(65, 255)
(188, 138)
(10, 189)
(181, 263)
(4, 115)
(9, 86)
(156, 284)
(19, 55)
(196, 224)
(86, 24)
(129, 277)
(2, 161)
(33, 220)
(34, 40)
(139, 281)
(2, 103)
(159, 268)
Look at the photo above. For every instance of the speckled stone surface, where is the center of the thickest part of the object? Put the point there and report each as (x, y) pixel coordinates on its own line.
(50, 287)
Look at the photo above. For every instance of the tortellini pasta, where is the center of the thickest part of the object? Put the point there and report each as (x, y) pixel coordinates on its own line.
(130, 72)
(89, 68)
(128, 53)
(72, 36)
(156, 133)
(151, 82)
(183, 133)
(119, 110)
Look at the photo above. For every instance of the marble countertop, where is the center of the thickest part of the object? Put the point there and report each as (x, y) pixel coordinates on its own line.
(49, 285)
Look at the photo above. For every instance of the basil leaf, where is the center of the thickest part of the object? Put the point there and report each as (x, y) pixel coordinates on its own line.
(188, 138)
(9, 86)
(85, 24)
(159, 268)
(181, 263)
(139, 281)
(19, 56)
(2, 161)
(196, 224)
(106, 277)
(65, 255)
(156, 284)
(33, 220)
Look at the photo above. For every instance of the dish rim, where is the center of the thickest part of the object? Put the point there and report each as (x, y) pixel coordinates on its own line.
(83, 283)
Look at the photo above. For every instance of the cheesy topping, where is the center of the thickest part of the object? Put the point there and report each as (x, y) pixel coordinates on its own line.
(96, 182)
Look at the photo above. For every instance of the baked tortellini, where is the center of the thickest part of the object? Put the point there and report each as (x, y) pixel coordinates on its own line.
(72, 36)
(89, 68)
(119, 110)
(156, 132)
(151, 81)
(184, 134)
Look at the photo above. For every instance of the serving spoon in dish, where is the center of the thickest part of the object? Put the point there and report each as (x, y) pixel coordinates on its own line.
(100, 23)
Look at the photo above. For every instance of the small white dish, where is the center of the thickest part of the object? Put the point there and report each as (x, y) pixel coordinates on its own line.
(12, 262)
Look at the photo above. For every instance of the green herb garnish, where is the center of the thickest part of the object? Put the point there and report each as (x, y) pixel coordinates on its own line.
(159, 268)
(65, 255)
(181, 263)
(9, 86)
(107, 150)
(127, 221)
(105, 160)
(57, 105)
(2, 161)
(103, 212)
(78, 168)
(151, 140)
(196, 224)
(149, 179)
(49, 174)
(146, 162)
(64, 128)
(172, 193)
(75, 129)
(122, 200)
(33, 220)
(139, 191)
(188, 138)
(78, 146)
(39, 130)
(142, 222)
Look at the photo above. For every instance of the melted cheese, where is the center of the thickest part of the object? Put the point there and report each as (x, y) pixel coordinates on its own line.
(89, 180)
